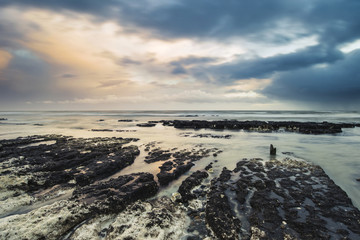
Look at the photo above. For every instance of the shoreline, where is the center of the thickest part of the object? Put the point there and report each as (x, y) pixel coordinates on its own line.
(272, 198)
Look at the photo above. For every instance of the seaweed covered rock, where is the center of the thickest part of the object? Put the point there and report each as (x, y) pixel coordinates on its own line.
(115, 194)
(189, 183)
(262, 126)
(219, 213)
(165, 177)
(49, 160)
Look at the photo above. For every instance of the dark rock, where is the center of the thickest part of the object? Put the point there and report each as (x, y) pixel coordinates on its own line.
(281, 206)
(102, 130)
(83, 160)
(209, 166)
(189, 115)
(189, 183)
(158, 155)
(218, 211)
(262, 126)
(205, 135)
(125, 120)
(153, 121)
(115, 194)
(272, 150)
(225, 175)
(3, 119)
(167, 166)
(146, 125)
(101, 120)
(166, 177)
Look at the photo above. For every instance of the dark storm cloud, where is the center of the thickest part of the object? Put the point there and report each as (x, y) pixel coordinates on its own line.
(266, 67)
(337, 84)
(211, 18)
(335, 21)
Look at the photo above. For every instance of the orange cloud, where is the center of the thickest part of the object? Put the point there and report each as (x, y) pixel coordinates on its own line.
(5, 58)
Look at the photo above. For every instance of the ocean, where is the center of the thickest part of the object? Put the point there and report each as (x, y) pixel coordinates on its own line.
(337, 154)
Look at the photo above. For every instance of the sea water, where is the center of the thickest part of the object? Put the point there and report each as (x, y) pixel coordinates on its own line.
(337, 154)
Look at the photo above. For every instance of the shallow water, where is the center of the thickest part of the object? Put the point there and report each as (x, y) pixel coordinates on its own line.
(337, 154)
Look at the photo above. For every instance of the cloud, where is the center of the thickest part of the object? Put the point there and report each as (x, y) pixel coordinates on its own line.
(25, 75)
(127, 61)
(277, 21)
(334, 85)
(194, 60)
(289, 50)
(265, 67)
(68, 75)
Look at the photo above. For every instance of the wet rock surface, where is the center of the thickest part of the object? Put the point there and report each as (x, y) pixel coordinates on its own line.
(40, 167)
(115, 194)
(46, 161)
(285, 199)
(219, 215)
(62, 217)
(189, 183)
(205, 135)
(152, 219)
(52, 184)
(125, 120)
(111, 130)
(158, 155)
(57, 187)
(262, 126)
(149, 124)
(181, 162)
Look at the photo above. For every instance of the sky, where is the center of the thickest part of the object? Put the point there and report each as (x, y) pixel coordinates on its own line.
(179, 54)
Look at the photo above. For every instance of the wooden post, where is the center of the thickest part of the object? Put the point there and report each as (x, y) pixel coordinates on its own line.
(272, 150)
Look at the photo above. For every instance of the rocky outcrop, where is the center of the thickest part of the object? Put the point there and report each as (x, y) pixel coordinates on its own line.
(205, 135)
(219, 213)
(146, 124)
(158, 155)
(292, 199)
(125, 120)
(165, 176)
(189, 183)
(181, 162)
(115, 194)
(46, 161)
(151, 219)
(56, 187)
(262, 126)
(58, 219)
(40, 168)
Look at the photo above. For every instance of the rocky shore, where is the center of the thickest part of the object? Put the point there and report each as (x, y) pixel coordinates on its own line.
(58, 187)
(262, 126)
